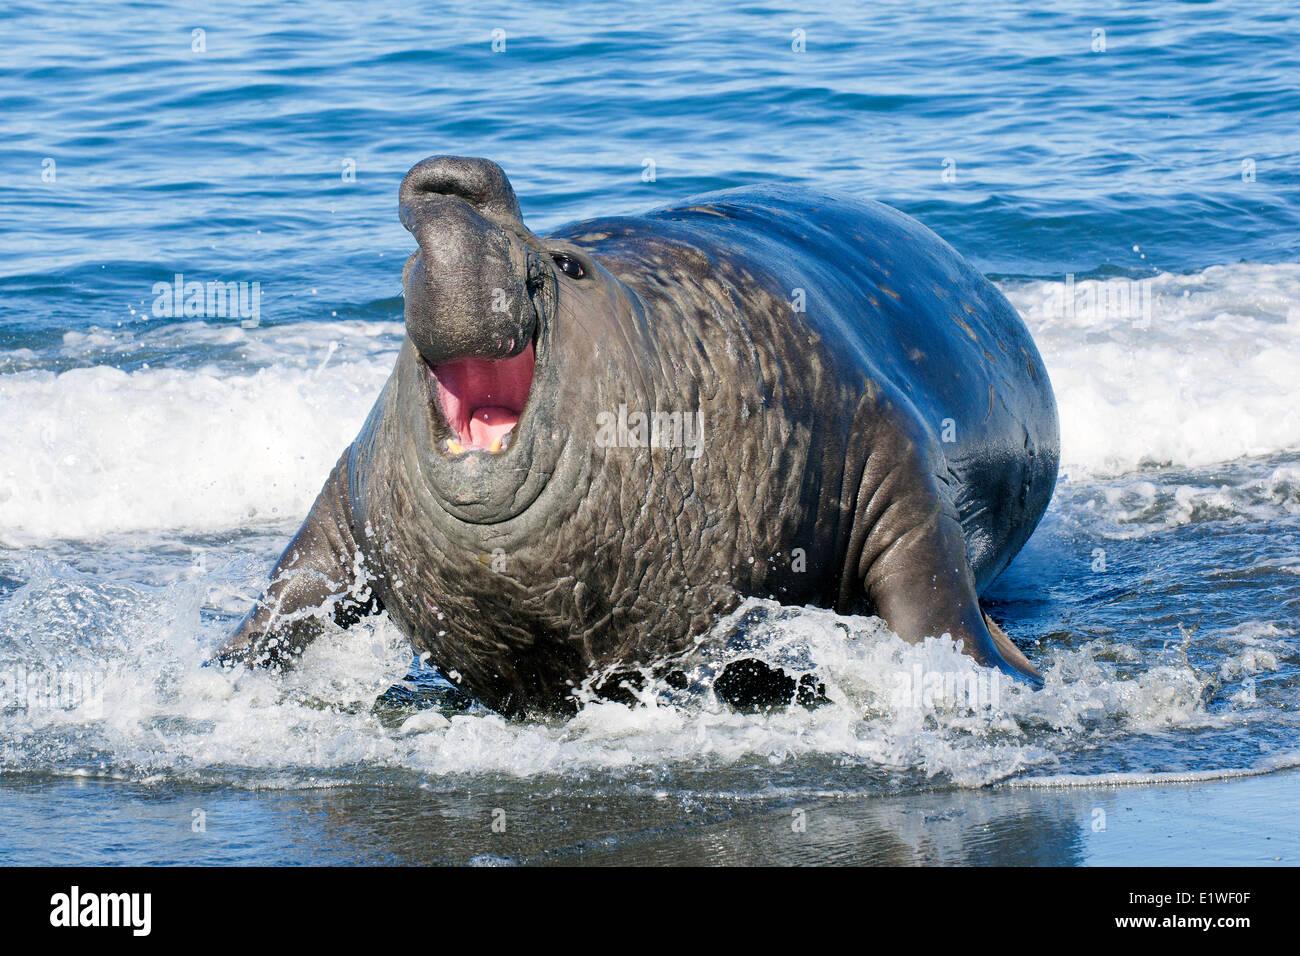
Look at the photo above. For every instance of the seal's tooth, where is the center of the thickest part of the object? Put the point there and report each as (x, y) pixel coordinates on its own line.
(455, 447)
(496, 444)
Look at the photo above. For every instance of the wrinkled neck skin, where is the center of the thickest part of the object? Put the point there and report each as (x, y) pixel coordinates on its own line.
(585, 355)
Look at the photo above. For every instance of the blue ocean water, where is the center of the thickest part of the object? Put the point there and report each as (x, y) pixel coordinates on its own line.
(229, 162)
(156, 465)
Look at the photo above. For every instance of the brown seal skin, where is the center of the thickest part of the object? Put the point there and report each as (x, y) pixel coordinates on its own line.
(878, 435)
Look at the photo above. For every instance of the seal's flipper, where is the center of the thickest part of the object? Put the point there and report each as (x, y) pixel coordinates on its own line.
(319, 575)
(935, 595)
(750, 685)
(913, 563)
(1012, 654)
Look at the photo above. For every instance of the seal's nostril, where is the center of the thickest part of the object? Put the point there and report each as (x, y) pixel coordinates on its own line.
(479, 182)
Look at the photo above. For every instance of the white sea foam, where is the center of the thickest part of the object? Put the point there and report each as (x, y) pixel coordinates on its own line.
(1271, 764)
(1210, 376)
(159, 712)
(247, 441)
(245, 429)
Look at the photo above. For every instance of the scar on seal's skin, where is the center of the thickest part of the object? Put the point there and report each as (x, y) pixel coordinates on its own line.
(965, 328)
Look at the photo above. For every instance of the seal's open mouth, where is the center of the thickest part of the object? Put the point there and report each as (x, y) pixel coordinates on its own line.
(482, 399)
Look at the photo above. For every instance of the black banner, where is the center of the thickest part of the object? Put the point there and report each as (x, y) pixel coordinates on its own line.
(302, 905)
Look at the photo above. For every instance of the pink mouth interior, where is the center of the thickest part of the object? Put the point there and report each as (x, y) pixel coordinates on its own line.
(482, 399)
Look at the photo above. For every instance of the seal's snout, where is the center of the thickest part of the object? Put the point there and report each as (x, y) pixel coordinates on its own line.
(469, 296)
(467, 289)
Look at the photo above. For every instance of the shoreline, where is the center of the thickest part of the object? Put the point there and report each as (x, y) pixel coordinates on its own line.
(1243, 820)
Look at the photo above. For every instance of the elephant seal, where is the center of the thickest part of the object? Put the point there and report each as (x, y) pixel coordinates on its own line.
(595, 443)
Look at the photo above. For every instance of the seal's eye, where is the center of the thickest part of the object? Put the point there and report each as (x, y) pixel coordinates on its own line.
(569, 266)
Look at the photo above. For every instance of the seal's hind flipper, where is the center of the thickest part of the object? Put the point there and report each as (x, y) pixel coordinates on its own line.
(1010, 653)
(911, 555)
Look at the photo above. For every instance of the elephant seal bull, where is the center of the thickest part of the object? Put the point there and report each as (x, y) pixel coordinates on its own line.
(595, 443)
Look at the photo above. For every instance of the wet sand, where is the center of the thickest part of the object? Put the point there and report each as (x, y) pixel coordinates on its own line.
(1249, 821)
